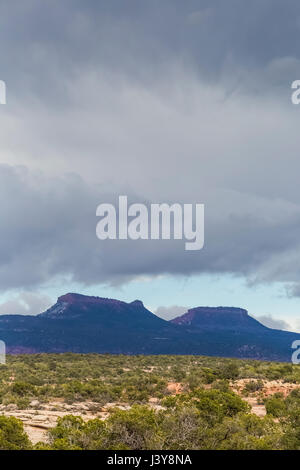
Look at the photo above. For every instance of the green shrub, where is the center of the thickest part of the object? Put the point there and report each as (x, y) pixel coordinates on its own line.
(12, 435)
(276, 407)
(254, 386)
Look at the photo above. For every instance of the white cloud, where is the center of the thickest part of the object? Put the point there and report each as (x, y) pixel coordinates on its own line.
(25, 303)
(274, 323)
(170, 312)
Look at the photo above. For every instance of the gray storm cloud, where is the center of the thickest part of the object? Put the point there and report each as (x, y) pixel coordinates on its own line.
(165, 102)
(48, 230)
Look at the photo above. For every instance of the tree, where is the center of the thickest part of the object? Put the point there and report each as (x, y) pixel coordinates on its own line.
(230, 371)
(72, 433)
(134, 429)
(12, 435)
(276, 407)
(246, 432)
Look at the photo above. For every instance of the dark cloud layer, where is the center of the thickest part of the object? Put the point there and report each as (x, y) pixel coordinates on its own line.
(43, 41)
(48, 230)
(166, 102)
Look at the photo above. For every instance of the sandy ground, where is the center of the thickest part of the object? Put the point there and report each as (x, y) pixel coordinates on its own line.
(41, 417)
(269, 388)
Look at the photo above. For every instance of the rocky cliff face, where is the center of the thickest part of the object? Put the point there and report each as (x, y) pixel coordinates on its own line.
(218, 318)
(82, 324)
(70, 305)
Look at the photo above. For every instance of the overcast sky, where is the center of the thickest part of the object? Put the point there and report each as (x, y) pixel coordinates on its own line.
(165, 101)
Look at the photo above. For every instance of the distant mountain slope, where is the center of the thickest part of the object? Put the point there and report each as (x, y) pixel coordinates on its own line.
(83, 324)
(231, 318)
(80, 323)
(240, 334)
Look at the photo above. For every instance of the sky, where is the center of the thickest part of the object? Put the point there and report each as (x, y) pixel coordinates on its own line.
(163, 101)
